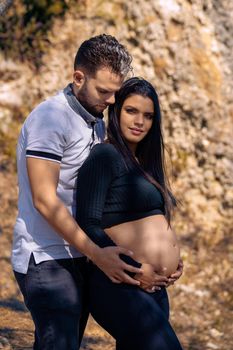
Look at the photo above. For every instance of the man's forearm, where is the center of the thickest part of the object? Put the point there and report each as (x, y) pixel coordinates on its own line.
(59, 217)
(107, 259)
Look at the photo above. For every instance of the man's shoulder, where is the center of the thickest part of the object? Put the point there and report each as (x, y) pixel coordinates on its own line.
(53, 110)
(56, 103)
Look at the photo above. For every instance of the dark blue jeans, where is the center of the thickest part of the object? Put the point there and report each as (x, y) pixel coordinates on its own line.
(136, 319)
(54, 293)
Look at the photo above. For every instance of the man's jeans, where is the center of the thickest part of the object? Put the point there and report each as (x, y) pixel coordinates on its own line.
(54, 293)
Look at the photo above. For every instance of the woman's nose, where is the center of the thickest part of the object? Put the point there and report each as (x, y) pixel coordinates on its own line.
(139, 119)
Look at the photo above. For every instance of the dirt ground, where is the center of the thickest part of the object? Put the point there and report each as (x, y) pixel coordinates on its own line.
(201, 302)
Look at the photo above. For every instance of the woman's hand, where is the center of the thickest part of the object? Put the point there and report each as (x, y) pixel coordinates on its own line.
(149, 280)
(176, 275)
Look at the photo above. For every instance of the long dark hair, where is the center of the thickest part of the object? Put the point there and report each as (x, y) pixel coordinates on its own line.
(150, 151)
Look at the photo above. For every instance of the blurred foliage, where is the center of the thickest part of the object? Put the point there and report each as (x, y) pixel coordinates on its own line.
(9, 132)
(179, 163)
(8, 143)
(24, 28)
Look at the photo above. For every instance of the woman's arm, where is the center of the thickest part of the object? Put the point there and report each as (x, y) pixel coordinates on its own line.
(93, 183)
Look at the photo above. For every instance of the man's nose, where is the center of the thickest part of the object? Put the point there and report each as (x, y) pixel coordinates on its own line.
(111, 99)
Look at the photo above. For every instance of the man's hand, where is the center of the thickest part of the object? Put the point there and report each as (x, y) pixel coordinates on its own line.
(109, 261)
(176, 275)
(150, 281)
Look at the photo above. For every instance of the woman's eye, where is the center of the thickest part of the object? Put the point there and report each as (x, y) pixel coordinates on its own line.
(149, 116)
(130, 111)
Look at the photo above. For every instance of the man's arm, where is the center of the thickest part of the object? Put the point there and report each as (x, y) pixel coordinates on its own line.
(43, 177)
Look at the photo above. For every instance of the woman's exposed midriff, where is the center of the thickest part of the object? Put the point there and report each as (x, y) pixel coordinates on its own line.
(151, 241)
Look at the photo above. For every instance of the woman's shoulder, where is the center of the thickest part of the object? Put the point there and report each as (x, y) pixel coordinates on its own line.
(105, 151)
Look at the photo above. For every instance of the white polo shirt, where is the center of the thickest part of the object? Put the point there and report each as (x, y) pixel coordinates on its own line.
(59, 130)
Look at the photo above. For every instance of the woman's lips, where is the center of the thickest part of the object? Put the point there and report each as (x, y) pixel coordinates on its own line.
(136, 131)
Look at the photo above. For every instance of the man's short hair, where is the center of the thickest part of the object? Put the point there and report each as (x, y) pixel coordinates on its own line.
(103, 51)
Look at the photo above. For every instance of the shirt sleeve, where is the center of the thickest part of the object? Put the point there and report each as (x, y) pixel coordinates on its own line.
(46, 131)
(94, 179)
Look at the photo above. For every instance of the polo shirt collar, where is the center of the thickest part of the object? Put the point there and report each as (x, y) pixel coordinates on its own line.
(77, 107)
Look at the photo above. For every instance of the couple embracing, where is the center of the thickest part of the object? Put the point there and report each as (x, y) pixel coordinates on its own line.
(93, 231)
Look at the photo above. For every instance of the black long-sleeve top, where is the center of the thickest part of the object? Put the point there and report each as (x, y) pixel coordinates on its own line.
(109, 194)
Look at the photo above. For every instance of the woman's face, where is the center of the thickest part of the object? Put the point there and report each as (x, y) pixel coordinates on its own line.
(136, 119)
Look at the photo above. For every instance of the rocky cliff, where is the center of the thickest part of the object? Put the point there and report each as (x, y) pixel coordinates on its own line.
(184, 47)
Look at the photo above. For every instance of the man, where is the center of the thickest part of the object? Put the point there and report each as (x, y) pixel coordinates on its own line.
(49, 247)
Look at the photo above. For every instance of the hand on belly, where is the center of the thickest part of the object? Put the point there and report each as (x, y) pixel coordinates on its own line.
(151, 240)
(163, 256)
(149, 280)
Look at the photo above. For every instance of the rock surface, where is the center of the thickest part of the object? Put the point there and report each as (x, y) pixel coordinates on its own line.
(184, 47)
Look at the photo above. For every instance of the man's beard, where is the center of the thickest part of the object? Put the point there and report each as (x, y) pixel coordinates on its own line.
(82, 97)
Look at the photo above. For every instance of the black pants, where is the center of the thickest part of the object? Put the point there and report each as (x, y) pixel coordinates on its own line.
(54, 294)
(136, 319)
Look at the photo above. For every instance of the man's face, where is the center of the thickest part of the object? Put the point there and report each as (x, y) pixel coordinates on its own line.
(97, 92)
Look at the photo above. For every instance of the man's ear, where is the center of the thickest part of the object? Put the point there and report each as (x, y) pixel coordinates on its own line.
(79, 78)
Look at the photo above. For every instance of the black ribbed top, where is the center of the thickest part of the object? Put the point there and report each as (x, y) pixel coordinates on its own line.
(109, 194)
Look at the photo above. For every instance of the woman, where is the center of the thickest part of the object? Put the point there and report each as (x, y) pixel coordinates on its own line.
(123, 199)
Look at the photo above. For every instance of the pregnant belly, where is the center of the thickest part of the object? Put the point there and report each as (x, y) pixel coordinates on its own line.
(151, 241)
